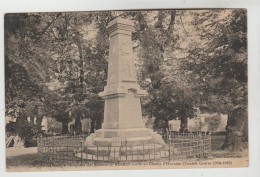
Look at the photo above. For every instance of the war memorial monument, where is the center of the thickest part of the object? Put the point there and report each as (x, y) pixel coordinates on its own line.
(123, 128)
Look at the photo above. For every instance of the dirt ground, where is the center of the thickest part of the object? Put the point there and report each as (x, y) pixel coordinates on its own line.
(11, 152)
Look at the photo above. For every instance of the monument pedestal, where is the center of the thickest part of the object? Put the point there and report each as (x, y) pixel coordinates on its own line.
(123, 132)
(127, 137)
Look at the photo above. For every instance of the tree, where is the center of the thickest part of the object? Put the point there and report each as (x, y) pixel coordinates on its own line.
(25, 74)
(218, 69)
(49, 47)
(90, 64)
(59, 108)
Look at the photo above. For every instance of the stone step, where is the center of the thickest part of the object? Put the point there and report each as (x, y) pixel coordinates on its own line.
(123, 150)
(130, 141)
(132, 157)
(137, 132)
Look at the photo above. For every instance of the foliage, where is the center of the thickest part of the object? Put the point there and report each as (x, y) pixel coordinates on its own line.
(219, 69)
(186, 59)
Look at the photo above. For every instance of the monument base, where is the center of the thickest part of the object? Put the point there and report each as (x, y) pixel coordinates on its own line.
(114, 156)
(123, 144)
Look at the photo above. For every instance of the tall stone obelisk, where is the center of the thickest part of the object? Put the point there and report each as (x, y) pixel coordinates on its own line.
(122, 93)
(122, 114)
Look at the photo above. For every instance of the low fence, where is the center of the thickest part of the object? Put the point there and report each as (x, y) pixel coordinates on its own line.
(71, 150)
(188, 145)
(60, 141)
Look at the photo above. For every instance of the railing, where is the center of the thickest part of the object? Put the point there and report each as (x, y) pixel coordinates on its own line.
(71, 149)
(60, 141)
(188, 145)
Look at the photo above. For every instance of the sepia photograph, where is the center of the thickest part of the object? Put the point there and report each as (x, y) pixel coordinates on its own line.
(126, 89)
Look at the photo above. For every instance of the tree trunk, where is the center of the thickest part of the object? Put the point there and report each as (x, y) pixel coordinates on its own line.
(234, 132)
(31, 120)
(156, 125)
(159, 23)
(81, 63)
(92, 126)
(39, 116)
(65, 129)
(166, 126)
(78, 125)
(39, 123)
(184, 125)
(19, 139)
(98, 124)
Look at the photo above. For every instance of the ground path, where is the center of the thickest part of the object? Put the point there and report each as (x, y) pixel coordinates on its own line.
(12, 152)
